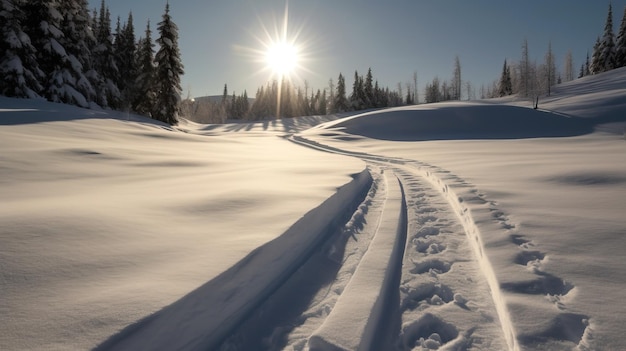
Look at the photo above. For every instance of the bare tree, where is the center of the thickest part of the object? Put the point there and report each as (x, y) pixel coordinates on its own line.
(524, 71)
(470, 91)
(416, 98)
(549, 71)
(569, 67)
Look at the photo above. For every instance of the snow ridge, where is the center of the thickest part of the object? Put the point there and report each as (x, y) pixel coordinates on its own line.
(354, 320)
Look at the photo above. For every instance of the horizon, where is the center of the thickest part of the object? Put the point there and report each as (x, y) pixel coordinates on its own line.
(341, 38)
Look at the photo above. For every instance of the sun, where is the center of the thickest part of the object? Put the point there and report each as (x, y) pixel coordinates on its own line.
(281, 58)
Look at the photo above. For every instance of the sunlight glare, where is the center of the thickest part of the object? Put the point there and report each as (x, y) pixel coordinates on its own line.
(282, 58)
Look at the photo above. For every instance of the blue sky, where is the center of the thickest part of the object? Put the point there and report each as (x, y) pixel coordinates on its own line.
(219, 40)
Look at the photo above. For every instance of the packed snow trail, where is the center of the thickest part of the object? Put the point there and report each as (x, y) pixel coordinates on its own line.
(458, 272)
(356, 317)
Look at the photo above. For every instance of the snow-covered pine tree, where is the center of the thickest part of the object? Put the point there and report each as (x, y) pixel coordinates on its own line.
(145, 83)
(595, 65)
(105, 63)
(20, 75)
(76, 41)
(62, 71)
(620, 44)
(606, 55)
(168, 72)
(125, 48)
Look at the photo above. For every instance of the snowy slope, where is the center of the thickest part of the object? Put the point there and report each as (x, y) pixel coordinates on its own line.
(458, 226)
(105, 221)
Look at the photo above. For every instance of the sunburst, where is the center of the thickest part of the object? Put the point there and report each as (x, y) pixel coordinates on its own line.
(282, 52)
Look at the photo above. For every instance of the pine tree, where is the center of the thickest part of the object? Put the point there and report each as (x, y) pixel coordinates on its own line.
(145, 83)
(45, 23)
(620, 45)
(341, 102)
(368, 89)
(76, 41)
(225, 94)
(169, 70)
(105, 62)
(125, 53)
(505, 86)
(20, 75)
(322, 108)
(596, 65)
(606, 49)
(356, 101)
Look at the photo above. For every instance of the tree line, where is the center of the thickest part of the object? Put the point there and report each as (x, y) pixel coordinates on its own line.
(285, 99)
(530, 80)
(61, 51)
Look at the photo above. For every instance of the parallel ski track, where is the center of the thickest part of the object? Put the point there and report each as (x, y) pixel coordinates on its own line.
(405, 169)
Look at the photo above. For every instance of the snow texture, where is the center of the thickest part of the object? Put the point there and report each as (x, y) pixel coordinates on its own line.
(484, 225)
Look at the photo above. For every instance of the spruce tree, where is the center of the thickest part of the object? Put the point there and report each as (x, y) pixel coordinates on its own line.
(341, 102)
(105, 62)
(322, 108)
(368, 89)
(606, 48)
(76, 39)
(169, 70)
(596, 64)
(125, 53)
(45, 22)
(20, 75)
(620, 45)
(505, 86)
(145, 83)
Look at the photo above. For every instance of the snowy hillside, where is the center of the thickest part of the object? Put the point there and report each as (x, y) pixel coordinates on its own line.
(457, 226)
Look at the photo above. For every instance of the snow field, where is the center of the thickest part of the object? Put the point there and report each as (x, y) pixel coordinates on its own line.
(106, 221)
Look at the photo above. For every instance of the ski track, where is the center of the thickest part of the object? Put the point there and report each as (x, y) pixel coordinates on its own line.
(437, 289)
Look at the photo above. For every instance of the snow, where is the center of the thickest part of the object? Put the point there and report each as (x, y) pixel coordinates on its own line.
(470, 225)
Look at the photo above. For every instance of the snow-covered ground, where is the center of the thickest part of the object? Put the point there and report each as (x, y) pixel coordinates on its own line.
(456, 226)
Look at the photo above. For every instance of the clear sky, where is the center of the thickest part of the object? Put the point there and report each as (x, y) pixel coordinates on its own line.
(221, 41)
